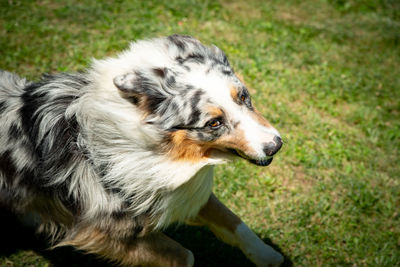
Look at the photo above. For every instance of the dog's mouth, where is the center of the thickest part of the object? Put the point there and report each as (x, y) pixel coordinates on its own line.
(258, 162)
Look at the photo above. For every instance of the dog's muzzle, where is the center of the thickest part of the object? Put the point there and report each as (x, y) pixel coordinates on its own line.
(270, 149)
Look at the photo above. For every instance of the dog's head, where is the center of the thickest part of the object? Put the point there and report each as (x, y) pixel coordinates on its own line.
(191, 95)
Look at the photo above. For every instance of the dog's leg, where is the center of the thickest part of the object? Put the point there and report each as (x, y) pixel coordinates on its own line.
(227, 226)
(152, 250)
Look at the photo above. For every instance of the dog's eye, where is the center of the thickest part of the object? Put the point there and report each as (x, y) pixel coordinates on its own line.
(244, 96)
(245, 99)
(214, 123)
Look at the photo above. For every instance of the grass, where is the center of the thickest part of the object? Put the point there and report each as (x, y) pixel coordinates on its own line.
(326, 73)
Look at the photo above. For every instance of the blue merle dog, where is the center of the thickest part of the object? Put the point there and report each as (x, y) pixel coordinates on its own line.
(105, 159)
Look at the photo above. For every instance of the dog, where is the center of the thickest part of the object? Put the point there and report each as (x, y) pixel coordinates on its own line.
(103, 160)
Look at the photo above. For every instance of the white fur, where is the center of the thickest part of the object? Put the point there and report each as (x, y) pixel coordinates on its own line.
(142, 173)
(255, 249)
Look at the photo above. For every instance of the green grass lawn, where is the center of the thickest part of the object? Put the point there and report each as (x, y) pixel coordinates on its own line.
(326, 73)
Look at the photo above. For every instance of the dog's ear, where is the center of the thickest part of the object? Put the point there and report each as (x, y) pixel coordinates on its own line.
(153, 83)
(149, 89)
(126, 83)
(140, 82)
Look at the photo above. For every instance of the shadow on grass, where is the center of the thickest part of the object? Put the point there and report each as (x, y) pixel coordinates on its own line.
(208, 250)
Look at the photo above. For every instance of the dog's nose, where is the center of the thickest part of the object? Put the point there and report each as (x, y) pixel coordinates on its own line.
(272, 147)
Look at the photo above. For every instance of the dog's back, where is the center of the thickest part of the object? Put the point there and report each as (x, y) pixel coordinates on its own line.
(10, 84)
(36, 143)
(11, 89)
(35, 136)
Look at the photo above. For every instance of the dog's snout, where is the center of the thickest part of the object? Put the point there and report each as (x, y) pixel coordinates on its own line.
(272, 147)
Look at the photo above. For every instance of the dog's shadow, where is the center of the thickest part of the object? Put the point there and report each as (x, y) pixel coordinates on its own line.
(208, 250)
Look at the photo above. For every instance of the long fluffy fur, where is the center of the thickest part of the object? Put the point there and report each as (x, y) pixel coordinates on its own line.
(77, 153)
(109, 148)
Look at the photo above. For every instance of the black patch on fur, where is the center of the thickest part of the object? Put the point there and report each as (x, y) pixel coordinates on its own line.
(2, 106)
(154, 102)
(64, 148)
(147, 87)
(174, 107)
(221, 63)
(137, 229)
(56, 151)
(170, 81)
(28, 179)
(224, 59)
(221, 59)
(14, 132)
(227, 72)
(198, 58)
(114, 190)
(118, 215)
(194, 57)
(7, 166)
(186, 67)
(195, 116)
(159, 72)
(181, 41)
(194, 101)
(133, 100)
(180, 59)
(178, 40)
(31, 103)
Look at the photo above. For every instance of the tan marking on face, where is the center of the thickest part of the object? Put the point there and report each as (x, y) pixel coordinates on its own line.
(181, 147)
(257, 116)
(236, 140)
(214, 111)
(234, 93)
(240, 77)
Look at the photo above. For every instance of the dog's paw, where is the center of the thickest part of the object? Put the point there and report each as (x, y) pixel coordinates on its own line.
(255, 249)
(272, 260)
(264, 256)
(190, 260)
